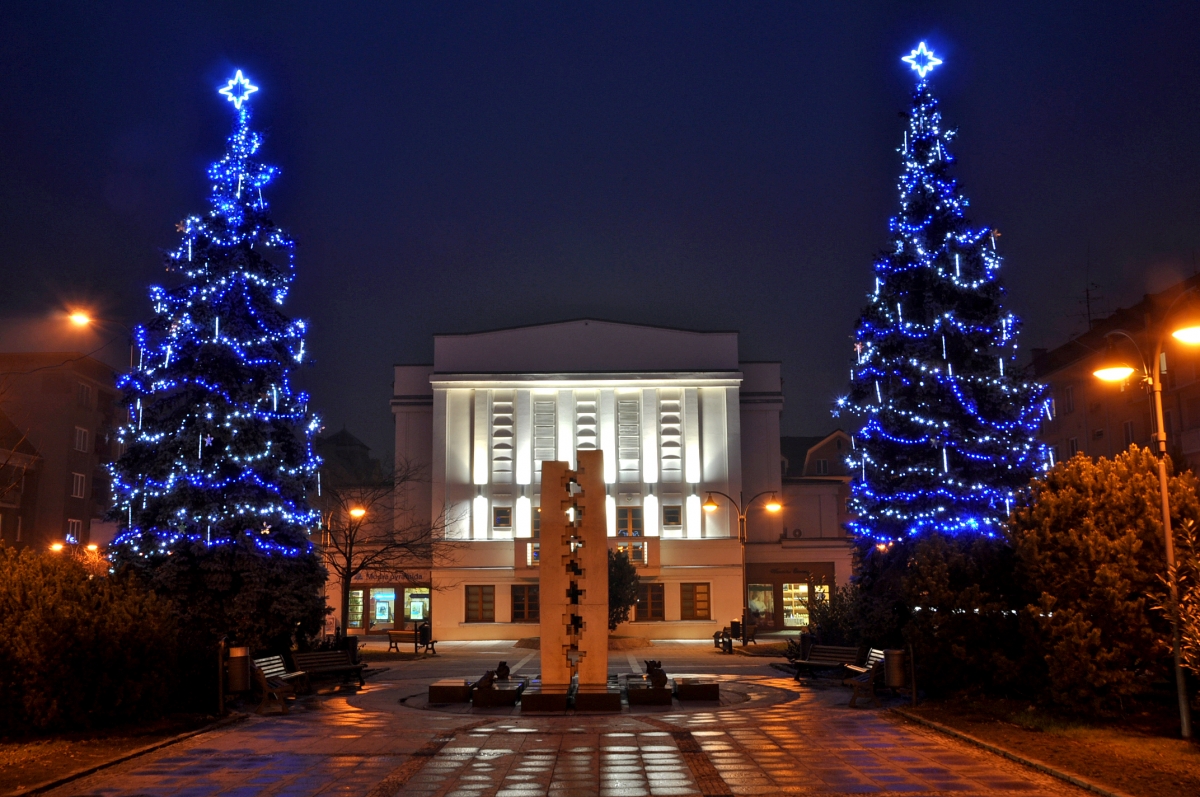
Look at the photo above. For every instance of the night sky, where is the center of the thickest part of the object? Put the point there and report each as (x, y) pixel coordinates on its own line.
(452, 167)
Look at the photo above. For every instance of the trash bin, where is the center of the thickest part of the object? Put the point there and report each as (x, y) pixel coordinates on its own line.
(735, 629)
(893, 669)
(237, 670)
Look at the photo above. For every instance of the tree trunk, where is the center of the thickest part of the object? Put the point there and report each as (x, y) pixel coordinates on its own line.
(346, 603)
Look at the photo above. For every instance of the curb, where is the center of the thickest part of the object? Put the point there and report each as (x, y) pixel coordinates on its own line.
(46, 786)
(1032, 763)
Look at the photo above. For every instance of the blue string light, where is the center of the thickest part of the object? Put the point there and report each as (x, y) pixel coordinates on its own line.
(947, 434)
(218, 444)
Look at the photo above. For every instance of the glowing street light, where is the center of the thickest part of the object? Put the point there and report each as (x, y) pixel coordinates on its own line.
(56, 546)
(772, 505)
(358, 512)
(80, 319)
(1115, 368)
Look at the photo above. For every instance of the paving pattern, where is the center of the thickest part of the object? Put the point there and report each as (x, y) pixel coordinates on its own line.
(793, 740)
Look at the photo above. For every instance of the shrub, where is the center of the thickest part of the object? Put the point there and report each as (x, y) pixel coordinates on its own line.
(963, 626)
(1187, 569)
(835, 618)
(1090, 548)
(622, 588)
(78, 650)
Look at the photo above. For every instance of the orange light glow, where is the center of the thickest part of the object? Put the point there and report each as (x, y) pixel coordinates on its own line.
(773, 504)
(93, 547)
(56, 546)
(80, 319)
(710, 505)
(357, 512)
(1115, 373)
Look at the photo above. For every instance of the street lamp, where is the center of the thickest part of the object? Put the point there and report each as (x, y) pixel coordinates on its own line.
(1116, 368)
(357, 512)
(772, 505)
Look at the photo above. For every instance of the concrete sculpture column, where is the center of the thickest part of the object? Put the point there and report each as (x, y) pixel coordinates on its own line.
(574, 572)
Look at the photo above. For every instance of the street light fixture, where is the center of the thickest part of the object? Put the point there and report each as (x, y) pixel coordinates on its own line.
(56, 546)
(80, 319)
(1114, 368)
(772, 505)
(357, 512)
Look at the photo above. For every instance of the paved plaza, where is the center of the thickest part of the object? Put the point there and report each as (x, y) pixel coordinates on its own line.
(774, 737)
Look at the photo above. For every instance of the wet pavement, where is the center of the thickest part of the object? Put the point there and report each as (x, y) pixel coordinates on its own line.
(774, 737)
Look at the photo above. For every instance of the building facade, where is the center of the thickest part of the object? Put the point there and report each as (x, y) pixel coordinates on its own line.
(677, 417)
(1101, 419)
(58, 432)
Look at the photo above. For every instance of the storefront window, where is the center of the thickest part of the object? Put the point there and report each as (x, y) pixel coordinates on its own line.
(416, 604)
(383, 608)
(762, 605)
(355, 615)
(795, 605)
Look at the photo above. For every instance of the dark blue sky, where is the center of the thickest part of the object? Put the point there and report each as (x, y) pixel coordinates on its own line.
(459, 166)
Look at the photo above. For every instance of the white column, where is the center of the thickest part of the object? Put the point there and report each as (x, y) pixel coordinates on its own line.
(452, 417)
(523, 437)
(566, 427)
(480, 461)
(695, 518)
(650, 516)
(608, 434)
(691, 435)
(649, 418)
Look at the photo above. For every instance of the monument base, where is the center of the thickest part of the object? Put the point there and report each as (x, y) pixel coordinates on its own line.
(694, 689)
(450, 690)
(545, 697)
(598, 698)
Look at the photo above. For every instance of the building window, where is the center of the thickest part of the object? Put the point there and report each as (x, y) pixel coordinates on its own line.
(1073, 446)
(533, 552)
(78, 483)
(525, 603)
(502, 517)
(635, 551)
(693, 602)
(354, 618)
(649, 606)
(537, 521)
(1068, 400)
(762, 605)
(74, 530)
(629, 521)
(1098, 434)
(672, 515)
(383, 609)
(481, 603)
(81, 439)
(822, 467)
(1128, 429)
(85, 395)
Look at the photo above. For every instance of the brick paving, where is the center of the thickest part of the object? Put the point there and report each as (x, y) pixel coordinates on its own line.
(787, 740)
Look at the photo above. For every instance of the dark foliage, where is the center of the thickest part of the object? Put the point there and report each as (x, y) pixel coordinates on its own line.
(622, 588)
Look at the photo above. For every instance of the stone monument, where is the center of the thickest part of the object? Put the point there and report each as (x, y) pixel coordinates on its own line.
(574, 573)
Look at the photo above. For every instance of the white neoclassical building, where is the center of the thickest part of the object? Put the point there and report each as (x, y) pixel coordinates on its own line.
(676, 415)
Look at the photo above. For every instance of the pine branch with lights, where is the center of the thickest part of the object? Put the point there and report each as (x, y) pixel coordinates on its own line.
(218, 442)
(947, 425)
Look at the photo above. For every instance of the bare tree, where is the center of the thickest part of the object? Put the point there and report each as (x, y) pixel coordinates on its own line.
(370, 527)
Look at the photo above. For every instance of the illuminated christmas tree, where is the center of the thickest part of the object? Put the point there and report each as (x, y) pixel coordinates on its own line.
(218, 443)
(947, 425)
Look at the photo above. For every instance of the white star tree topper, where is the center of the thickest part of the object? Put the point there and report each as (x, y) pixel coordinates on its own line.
(921, 59)
(239, 90)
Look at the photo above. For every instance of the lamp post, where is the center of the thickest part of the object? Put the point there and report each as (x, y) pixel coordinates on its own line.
(1114, 368)
(772, 505)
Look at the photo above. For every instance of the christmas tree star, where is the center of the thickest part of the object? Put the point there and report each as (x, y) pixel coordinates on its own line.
(239, 89)
(921, 59)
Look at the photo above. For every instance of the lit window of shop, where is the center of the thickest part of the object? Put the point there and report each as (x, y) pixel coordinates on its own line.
(650, 604)
(762, 605)
(382, 616)
(417, 604)
(796, 603)
(693, 602)
(355, 614)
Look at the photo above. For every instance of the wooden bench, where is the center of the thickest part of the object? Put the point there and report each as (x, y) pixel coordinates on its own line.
(330, 662)
(273, 667)
(275, 691)
(748, 632)
(420, 637)
(864, 683)
(826, 657)
(874, 656)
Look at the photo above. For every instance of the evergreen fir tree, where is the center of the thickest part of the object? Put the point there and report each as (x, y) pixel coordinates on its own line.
(947, 424)
(218, 443)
